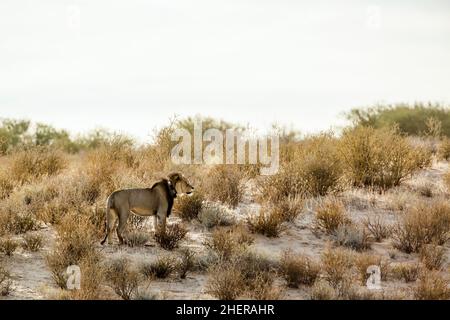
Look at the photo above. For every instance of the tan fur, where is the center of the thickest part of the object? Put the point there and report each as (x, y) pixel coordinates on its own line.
(155, 201)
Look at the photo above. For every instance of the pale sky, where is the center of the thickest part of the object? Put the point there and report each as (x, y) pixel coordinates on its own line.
(130, 65)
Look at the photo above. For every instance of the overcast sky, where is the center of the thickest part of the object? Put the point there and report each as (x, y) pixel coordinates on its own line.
(130, 65)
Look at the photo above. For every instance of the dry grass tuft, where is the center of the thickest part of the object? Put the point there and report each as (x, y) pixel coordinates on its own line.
(330, 215)
(444, 149)
(322, 290)
(225, 282)
(364, 261)
(122, 278)
(352, 237)
(433, 257)
(380, 157)
(169, 239)
(6, 185)
(186, 263)
(32, 242)
(213, 215)
(224, 184)
(336, 265)
(8, 246)
(423, 224)
(189, 207)
(161, 268)
(377, 228)
(137, 238)
(228, 242)
(269, 222)
(407, 271)
(432, 286)
(5, 282)
(298, 270)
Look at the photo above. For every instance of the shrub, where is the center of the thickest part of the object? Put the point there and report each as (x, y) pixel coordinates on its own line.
(336, 265)
(312, 170)
(186, 262)
(411, 119)
(5, 282)
(352, 237)
(298, 269)
(331, 214)
(189, 207)
(224, 184)
(137, 238)
(122, 279)
(290, 208)
(433, 257)
(408, 272)
(161, 268)
(225, 282)
(423, 224)
(8, 246)
(225, 242)
(33, 163)
(32, 242)
(6, 185)
(213, 215)
(253, 265)
(322, 290)
(16, 223)
(171, 237)
(432, 286)
(444, 149)
(263, 288)
(76, 243)
(268, 222)
(377, 228)
(379, 157)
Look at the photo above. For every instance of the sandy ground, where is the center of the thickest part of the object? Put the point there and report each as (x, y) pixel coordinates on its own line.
(32, 279)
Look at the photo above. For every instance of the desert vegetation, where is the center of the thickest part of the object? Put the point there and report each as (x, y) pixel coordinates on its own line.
(375, 194)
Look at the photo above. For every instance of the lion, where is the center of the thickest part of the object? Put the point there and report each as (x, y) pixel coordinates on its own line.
(155, 201)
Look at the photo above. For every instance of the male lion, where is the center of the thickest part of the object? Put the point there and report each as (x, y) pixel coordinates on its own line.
(155, 201)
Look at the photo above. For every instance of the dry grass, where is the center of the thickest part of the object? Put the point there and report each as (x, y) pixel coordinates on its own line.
(225, 282)
(380, 157)
(426, 223)
(290, 208)
(186, 263)
(161, 268)
(364, 261)
(32, 242)
(298, 270)
(122, 278)
(213, 215)
(8, 246)
(330, 215)
(6, 185)
(224, 184)
(75, 244)
(5, 281)
(433, 257)
(269, 222)
(228, 242)
(31, 164)
(447, 180)
(407, 271)
(377, 227)
(189, 207)
(137, 238)
(353, 237)
(444, 149)
(336, 265)
(322, 290)
(432, 286)
(170, 239)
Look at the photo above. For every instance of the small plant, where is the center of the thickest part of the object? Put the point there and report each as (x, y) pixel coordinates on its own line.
(137, 238)
(421, 225)
(352, 237)
(290, 208)
(225, 282)
(433, 257)
(444, 149)
(336, 265)
(224, 184)
(268, 222)
(186, 262)
(298, 269)
(213, 215)
(263, 288)
(225, 242)
(408, 272)
(32, 242)
(169, 239)
(161, 268)
(322, 290)
(5, 282)
(6, 186)
(377, 228)
(8, 246)
(330, 215)
(432, 286)
(122, 279)
(189, 207)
